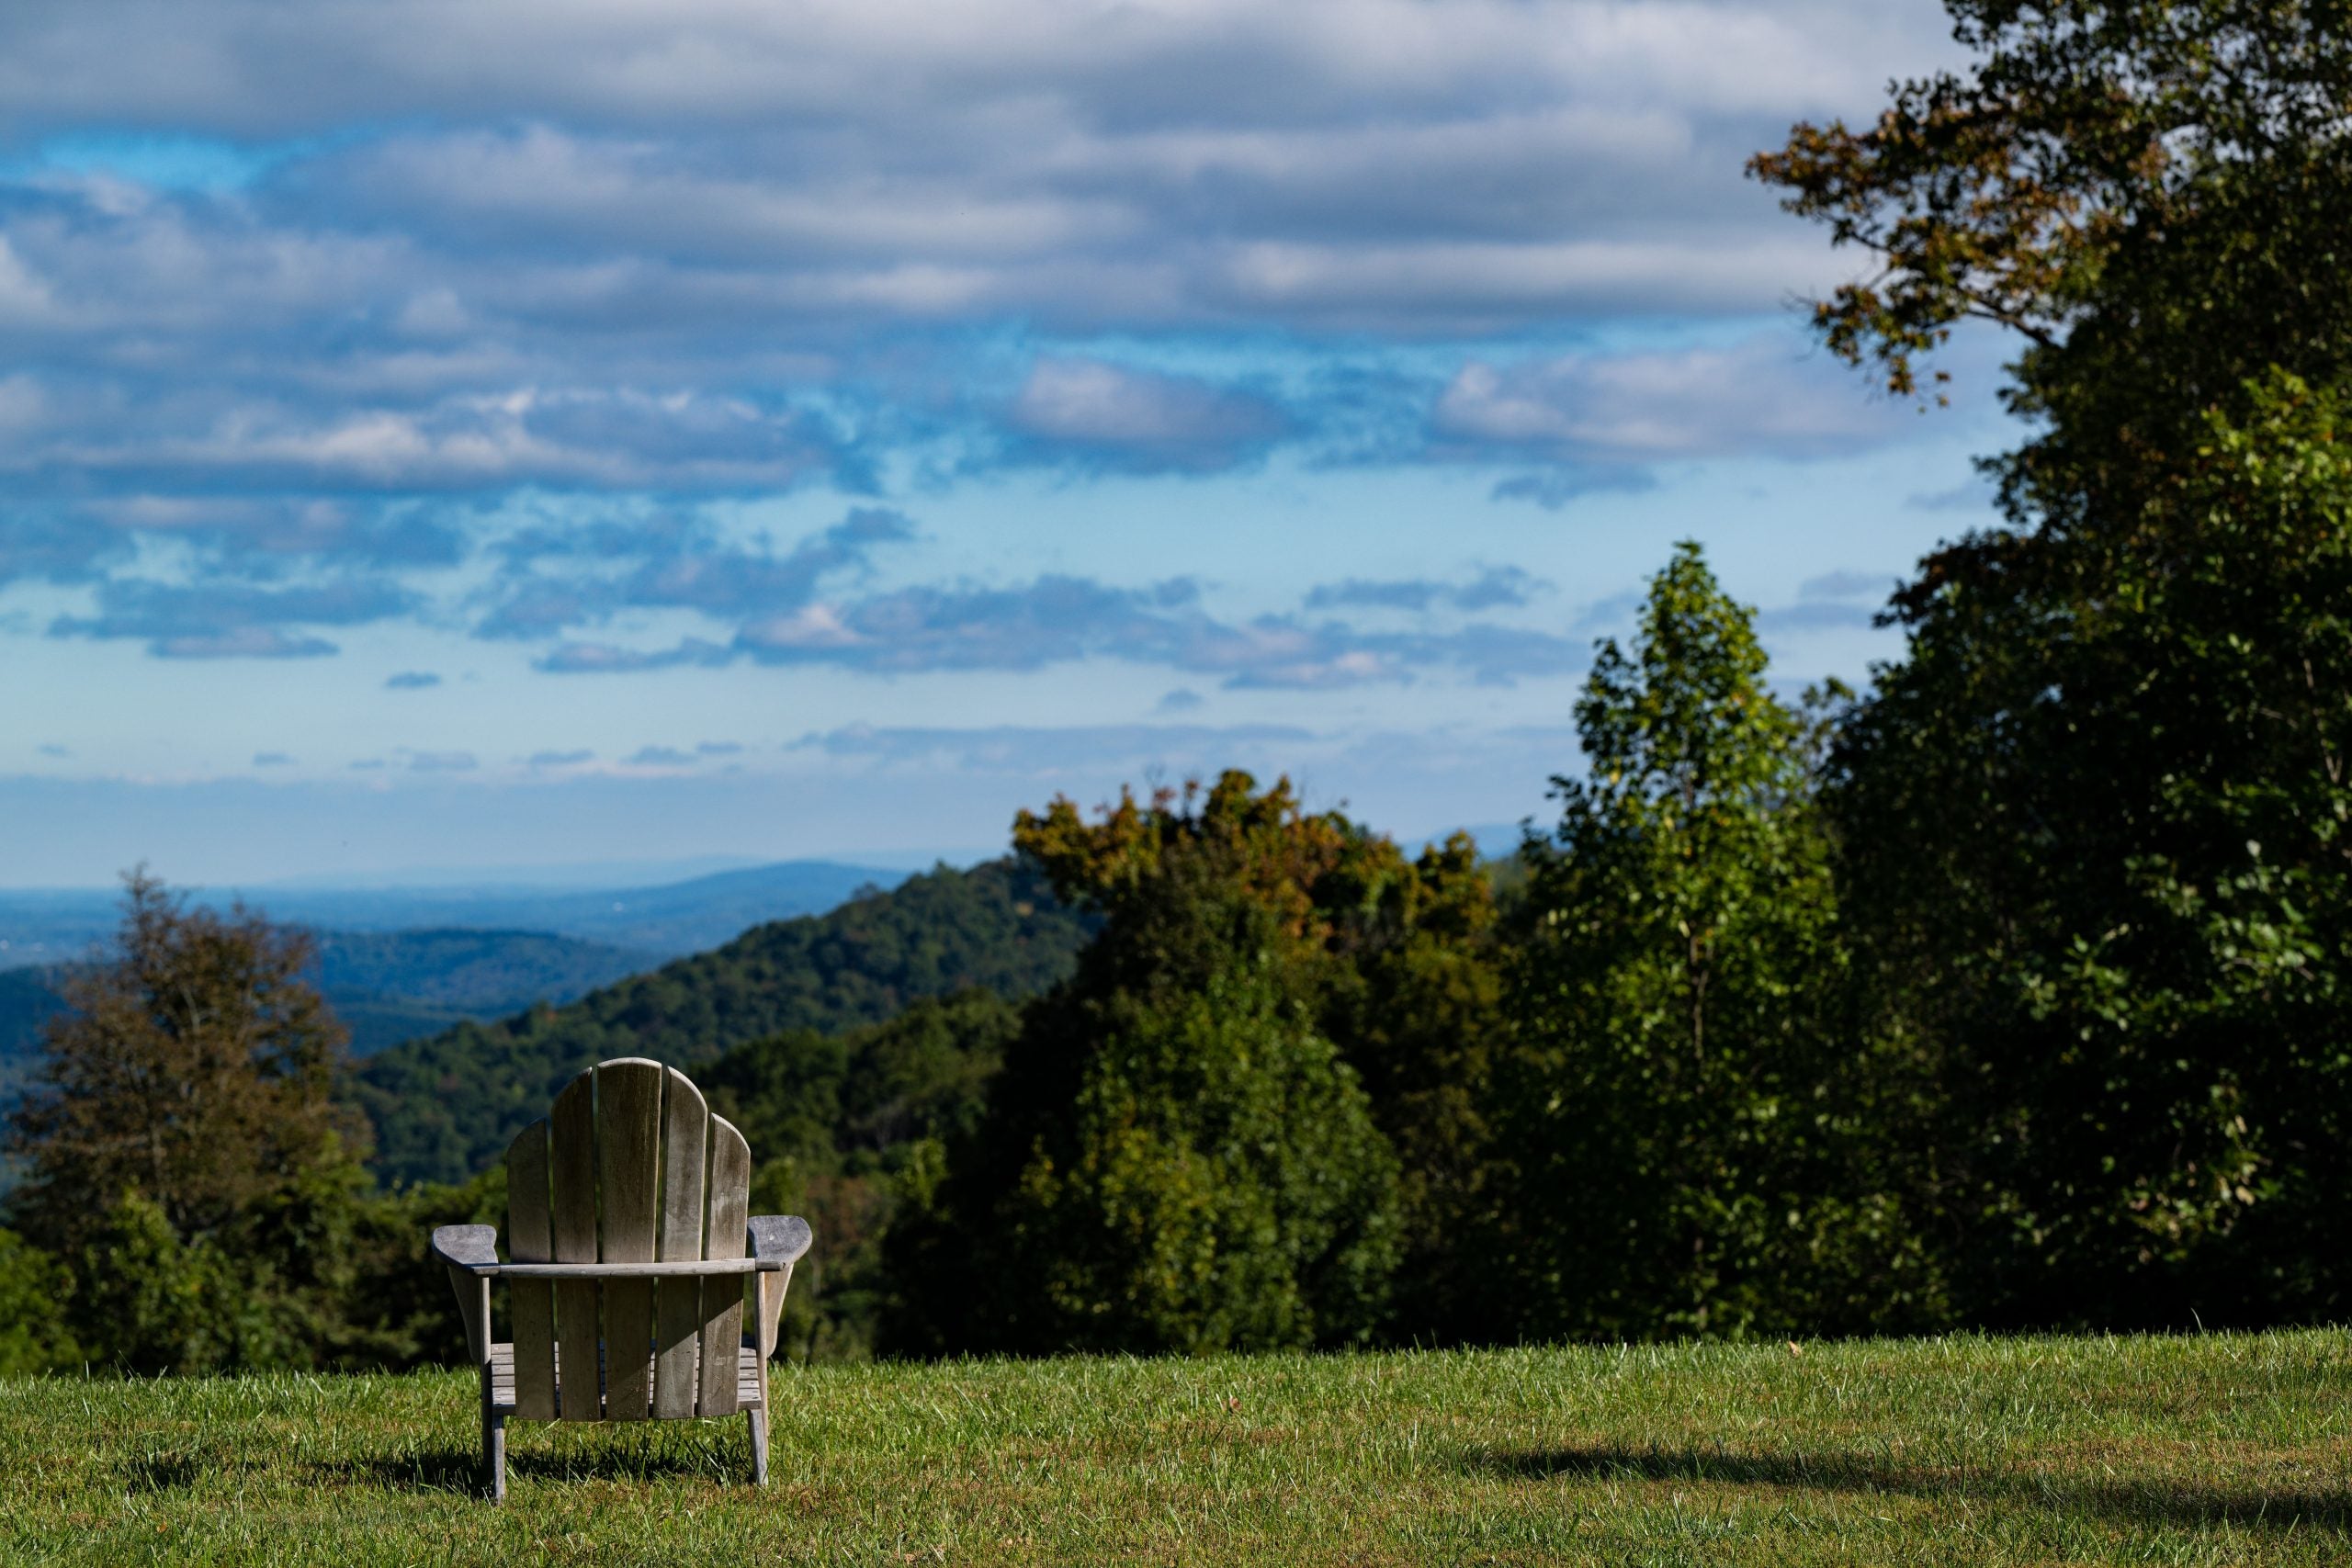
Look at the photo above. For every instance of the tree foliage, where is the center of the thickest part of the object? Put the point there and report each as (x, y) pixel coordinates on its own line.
(2096, 831)
(1176, 1155)
(1675, 1115)
(2092, 822)
(196, 1068)
(183, 1151)
(34, 1289)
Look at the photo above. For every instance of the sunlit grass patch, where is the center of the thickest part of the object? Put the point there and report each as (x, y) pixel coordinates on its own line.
(2217, 1449)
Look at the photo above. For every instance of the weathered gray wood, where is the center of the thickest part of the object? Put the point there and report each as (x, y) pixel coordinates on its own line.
(473, 1305)
(531, 1303)
(466, 1246)
(677, 1335)
(778, 1238)
(572, 1162)
(749, 1393)
(768, 1293)
(493, 1431)
(627, 1271)
(722, 1302)
(628, 1164)
(629, 1247)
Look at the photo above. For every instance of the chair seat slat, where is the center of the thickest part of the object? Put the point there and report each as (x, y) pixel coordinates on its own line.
(749, 1394)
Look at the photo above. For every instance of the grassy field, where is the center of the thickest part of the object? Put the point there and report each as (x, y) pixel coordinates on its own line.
(2218, 1449)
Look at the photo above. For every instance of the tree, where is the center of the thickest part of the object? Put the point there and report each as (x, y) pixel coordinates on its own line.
(2096, 850)
(1174, 1156)
(2150, 194)
(1680, 1114)
(2091, 825)
(183, 1130)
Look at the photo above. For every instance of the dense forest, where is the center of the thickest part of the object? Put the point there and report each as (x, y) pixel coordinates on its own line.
(2008, 991)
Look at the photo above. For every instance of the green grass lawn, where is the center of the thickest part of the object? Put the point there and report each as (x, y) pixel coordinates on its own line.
(2218, 1449)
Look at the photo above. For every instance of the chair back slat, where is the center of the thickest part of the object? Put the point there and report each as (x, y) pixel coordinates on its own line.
(572, 1162)
(532, 1303)
(628, 1166)
(677, 1338)
(722, 1298)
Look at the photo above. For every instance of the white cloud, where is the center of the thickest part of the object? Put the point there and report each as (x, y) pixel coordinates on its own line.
(1761, 396)
(224, 67)
(1140, 417)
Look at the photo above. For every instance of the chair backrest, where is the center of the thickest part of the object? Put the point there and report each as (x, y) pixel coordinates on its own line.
(629, 1166)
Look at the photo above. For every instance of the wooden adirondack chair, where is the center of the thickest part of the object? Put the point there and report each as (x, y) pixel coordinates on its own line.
(627, 1243)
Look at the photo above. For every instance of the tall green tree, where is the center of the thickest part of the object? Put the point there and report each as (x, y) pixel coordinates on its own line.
(2091, 824)
(1681, 1112)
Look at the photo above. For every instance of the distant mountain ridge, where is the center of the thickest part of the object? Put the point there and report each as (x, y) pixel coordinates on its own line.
(386, 987)
(665, 919)
(446, 1107)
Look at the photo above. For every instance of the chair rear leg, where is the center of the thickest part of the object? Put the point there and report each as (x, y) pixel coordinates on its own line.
(758, 1420)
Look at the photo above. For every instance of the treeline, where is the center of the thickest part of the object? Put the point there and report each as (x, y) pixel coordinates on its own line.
(2009, 992)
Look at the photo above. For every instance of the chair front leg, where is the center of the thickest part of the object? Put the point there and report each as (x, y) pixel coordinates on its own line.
(493, 1441)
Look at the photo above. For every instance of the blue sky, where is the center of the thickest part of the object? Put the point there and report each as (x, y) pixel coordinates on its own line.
(520, 433)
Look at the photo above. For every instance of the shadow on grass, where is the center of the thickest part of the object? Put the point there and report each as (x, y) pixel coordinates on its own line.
(459, 1470)
(2164, 1502)
(165, 1473)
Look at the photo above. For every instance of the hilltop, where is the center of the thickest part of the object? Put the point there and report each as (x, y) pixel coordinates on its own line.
(443, 1108)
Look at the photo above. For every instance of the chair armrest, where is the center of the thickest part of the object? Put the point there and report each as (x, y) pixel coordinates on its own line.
(471, 1253)
(473, 1248)
(778, 1239)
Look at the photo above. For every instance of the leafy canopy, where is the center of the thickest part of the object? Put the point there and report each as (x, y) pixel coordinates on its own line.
(1175, 1157)
(1668, 1117)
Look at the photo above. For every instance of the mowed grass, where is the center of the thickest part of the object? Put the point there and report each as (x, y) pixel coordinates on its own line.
(2220, 1449)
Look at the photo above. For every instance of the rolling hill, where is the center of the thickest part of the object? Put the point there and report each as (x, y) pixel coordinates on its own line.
(442, 1107)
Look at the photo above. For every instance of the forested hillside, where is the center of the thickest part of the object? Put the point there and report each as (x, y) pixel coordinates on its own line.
(443, 1108)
